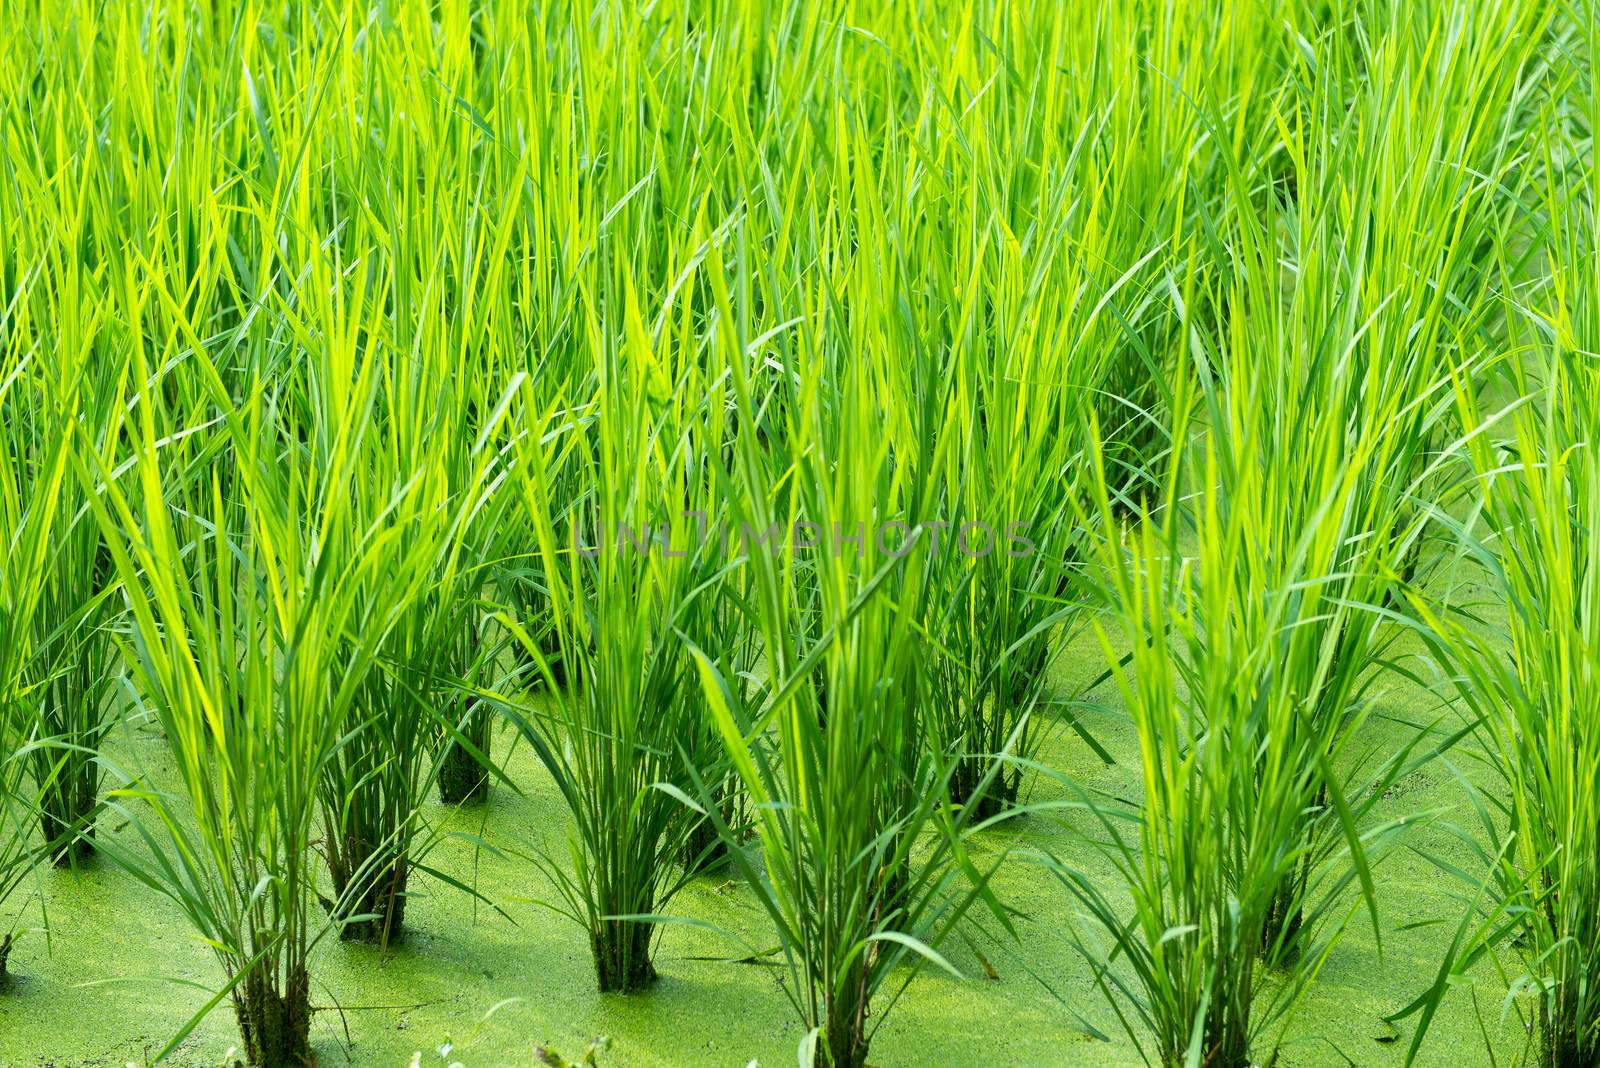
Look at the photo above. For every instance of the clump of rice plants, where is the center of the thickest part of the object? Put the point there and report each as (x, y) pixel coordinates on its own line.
(408, 292)
(858, 883)
(1257, 599)
(1153, 171)
(624, 566)
(1215, 686)
(408, 716)
(64, 385)
(1390, 252)
(1527, 691)
(34, 471)
(1069, 289)
(1527, 527)
(75, 672)
(1025, 364)
(251, 635)
(70, 666)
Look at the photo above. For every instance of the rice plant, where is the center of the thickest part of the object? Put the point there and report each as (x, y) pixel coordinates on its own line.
(255, 622)
(69, 351)
(1527, 523)
(1012, 396)
(624, 566)
(1223, 843)
(857, 882)
(33, 473)
(1257, 599)
(1526, 695)
(408, 714)
(1350, 354)
(70, 668)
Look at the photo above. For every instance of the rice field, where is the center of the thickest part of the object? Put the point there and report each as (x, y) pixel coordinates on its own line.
(839, 533)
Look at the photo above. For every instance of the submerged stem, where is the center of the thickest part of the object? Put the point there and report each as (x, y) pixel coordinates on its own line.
(275, 1023)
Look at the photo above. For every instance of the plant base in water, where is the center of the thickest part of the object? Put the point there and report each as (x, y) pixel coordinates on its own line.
(845, 1041)
(553, 659)
(622, 962)
(66, 816)
(999, 797)
(1282, 932)
(558, 668)
(5, 959)
(1280, 936)
(462, 779)
(77, 850)
(704, 850)
(1227, 1054)
(1561, 1046)
(382, 904)
(275, 1025)
(849, 1057)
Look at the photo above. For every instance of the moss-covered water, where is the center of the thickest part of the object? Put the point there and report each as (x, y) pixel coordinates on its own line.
(120, 970)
